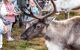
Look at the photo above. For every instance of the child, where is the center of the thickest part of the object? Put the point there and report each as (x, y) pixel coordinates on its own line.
(4, 29)
(9, 13)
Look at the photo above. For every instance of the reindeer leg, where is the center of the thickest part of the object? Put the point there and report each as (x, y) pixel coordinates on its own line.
(66, 14)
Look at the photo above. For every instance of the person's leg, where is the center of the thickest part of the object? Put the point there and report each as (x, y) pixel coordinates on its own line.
(1, 41)
(9, 38)
(1, 38)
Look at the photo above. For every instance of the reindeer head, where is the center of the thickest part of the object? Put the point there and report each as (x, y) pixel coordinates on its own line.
(43, 21)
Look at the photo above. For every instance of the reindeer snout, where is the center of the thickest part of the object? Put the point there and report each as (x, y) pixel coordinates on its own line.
(23, 37)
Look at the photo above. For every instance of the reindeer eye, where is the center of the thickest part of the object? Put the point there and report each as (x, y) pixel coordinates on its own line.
(38, 26)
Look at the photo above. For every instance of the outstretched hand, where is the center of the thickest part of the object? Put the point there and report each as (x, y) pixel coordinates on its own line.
(18, 13)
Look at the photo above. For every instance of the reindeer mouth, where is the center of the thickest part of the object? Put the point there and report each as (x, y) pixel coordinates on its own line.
(23, 38)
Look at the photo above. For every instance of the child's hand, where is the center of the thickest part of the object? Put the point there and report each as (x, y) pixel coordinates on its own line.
(9, 13)
(18, 13)
(15, 14)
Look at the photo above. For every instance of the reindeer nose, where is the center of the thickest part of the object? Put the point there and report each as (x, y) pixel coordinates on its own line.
(23, 38)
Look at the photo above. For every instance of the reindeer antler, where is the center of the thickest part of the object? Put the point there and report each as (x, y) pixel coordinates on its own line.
(47, 15)
(40, 9)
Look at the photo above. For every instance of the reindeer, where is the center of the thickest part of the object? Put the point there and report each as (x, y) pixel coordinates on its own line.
(59, 35)
(67, 6)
